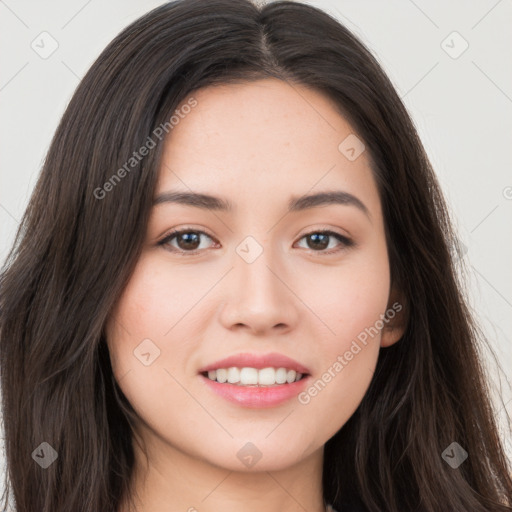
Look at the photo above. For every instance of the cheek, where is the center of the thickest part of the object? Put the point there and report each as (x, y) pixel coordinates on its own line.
(348, 360)
(349, 299)
(351, 305)
(155, 306)
(136, 332)
(152, 303)
(147, 339)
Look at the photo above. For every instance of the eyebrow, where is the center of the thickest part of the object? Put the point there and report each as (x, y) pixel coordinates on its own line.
(208, 202)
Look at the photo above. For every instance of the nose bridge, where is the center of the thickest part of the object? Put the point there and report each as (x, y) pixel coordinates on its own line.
(258, 295)
(253, 266)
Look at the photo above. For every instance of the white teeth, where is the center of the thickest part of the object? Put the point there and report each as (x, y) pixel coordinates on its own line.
(251, 376)
(267, 376)
(222, 375)
(281, 376)
(248, 376)
(233, 375)
(290, 376)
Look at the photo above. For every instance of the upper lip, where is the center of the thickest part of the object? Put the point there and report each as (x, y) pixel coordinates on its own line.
(257, 361)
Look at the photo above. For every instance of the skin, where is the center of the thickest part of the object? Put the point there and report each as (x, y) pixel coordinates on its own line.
(255, 144)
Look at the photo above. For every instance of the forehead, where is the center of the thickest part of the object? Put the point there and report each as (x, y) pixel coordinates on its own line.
(269, 138)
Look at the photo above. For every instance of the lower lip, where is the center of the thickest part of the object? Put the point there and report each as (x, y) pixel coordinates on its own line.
(256, 396)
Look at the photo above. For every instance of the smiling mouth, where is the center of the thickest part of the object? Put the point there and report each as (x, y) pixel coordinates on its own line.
(253, 377)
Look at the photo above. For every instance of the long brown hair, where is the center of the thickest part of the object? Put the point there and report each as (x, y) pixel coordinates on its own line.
(79, 240)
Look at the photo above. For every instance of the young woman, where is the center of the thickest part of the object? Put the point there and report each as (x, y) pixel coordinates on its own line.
(233, 287)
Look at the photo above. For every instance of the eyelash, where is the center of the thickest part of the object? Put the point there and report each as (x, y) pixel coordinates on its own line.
(345, 242)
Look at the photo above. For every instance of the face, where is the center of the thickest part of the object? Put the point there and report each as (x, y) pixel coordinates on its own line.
(310, 283)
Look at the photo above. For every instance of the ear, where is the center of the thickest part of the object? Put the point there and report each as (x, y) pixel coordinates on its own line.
(396, 318)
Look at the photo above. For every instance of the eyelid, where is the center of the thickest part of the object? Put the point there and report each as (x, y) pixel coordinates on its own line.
(325, 229)
(185, 229)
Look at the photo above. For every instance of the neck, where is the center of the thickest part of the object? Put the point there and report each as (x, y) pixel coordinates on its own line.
(175, 480)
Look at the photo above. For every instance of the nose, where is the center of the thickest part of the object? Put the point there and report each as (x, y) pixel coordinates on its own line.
(259, 297)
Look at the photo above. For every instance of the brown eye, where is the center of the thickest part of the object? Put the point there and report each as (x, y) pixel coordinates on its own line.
(189, 241)
(185, 240)
(319, 241)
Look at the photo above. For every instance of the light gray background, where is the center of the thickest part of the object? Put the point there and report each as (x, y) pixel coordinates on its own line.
(461, 106)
